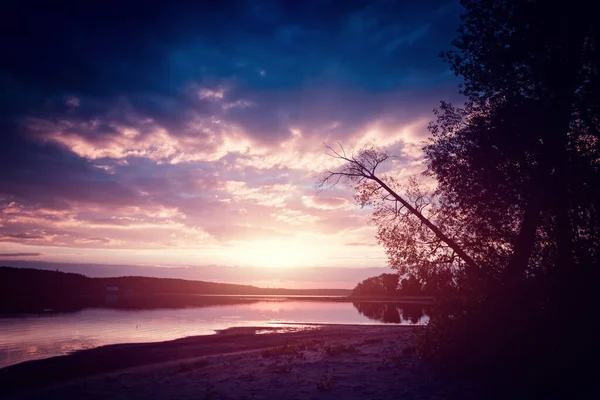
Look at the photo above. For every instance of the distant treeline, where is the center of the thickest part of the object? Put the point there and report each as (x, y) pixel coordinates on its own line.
(34, 290)
(390, 285)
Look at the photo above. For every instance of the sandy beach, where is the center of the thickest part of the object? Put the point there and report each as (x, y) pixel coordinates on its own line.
(315, 362)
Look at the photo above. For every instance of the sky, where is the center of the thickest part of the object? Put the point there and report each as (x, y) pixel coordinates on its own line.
(191, 134)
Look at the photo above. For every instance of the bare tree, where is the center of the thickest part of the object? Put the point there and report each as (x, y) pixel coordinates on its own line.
(360, 169)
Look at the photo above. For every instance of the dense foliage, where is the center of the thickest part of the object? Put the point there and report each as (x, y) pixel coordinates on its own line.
(519, 164)
(389, 285)
(381, 285)
(512, 229)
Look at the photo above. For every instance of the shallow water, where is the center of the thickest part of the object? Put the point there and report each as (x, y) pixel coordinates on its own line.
(34, 336)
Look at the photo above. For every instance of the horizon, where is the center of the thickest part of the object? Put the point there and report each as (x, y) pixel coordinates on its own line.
(269, 278)
(317, 199)
(201, 144)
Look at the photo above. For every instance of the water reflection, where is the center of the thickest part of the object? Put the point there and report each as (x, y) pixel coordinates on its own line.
(392, 313)
(157, 318)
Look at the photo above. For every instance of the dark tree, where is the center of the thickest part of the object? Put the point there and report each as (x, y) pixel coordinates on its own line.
(400, 217)
(390, 283)
(515, 220)
(411, 286)
(530, 71)
(381, 285)
(519, 162)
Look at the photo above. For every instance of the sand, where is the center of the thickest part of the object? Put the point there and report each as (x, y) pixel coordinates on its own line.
(323, 362)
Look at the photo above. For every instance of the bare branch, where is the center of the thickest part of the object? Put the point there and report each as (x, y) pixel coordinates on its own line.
(361, 168)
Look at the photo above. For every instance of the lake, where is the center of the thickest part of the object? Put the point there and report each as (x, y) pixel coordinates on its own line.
(34, 336)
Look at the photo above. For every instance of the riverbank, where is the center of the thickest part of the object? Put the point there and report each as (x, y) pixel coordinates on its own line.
(317, 361)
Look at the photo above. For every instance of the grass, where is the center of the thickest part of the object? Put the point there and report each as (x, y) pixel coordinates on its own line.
(282, 368)
(338, 349)
(325, 383)
(191, 365)
(372, 341)
(287, 350)
(391, 360)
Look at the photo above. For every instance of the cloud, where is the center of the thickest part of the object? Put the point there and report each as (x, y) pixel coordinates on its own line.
(266, 195)
(20, 254)
(187, 129)
(327, 203)
(24, 236)
(243, 232)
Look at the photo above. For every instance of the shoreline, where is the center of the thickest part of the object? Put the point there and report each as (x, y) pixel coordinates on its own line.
(142, 301)
(113, 357)
(323, 361)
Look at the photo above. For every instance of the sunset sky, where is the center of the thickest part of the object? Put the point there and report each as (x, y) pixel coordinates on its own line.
(192, 135)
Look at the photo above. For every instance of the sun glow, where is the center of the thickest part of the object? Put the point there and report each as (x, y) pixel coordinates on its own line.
(278, 254)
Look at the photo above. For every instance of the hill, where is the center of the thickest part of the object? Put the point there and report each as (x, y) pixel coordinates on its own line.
(33, 290)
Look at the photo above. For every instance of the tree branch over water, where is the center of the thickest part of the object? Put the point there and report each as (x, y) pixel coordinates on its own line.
(360, 169)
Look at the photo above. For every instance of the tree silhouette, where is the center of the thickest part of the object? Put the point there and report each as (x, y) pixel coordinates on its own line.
(530, 71)
(410, 225)
(381, 285)
(505, 206)
(410, 286)
(390, 283)
(519, 161)
(515, 217)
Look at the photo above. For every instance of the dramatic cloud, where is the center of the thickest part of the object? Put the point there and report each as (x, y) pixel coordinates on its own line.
(193, 133)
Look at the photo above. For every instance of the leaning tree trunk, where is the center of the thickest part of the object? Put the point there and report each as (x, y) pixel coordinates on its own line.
(473, 269)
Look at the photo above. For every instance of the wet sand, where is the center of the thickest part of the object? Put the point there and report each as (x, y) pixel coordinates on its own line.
(322, 362)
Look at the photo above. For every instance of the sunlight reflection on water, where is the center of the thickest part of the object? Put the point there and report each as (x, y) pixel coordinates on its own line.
(34, 336)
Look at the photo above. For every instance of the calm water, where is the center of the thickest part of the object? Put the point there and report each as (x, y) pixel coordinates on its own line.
(34, 336)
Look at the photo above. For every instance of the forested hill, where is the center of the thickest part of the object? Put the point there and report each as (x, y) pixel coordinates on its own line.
(25, 288)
